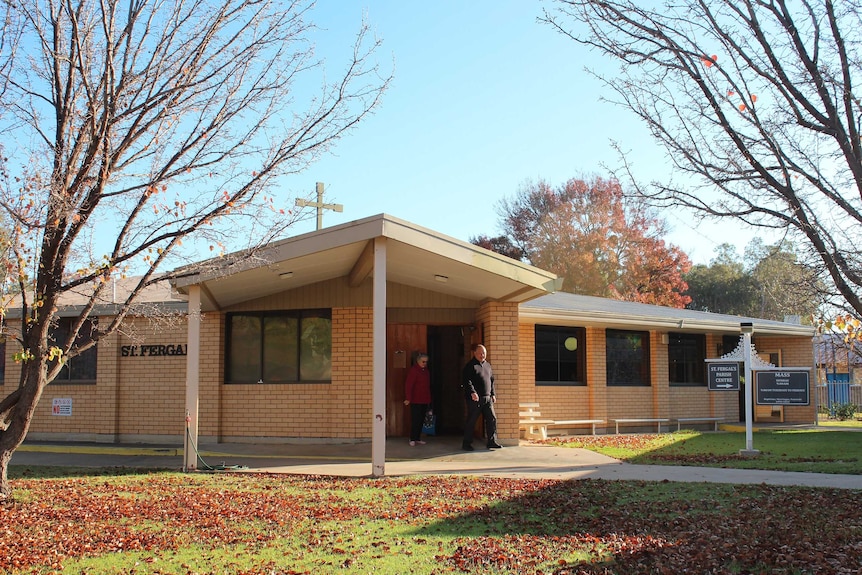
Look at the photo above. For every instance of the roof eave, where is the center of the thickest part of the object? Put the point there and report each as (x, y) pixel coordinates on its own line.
(538, 315)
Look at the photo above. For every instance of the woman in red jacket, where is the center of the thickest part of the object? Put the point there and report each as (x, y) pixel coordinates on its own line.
(417, 391)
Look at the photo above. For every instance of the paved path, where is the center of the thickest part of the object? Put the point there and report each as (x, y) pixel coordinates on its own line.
(439, 456)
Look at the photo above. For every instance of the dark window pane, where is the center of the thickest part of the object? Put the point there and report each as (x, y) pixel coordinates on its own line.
(686, 354)
(244, 349)
(559, 355)
(316, 349)
(729, 343)
(570, 364)
(279, 351)
(80, 368)
(627, 354)
(279, 347)
(83, 367)
(547, 368)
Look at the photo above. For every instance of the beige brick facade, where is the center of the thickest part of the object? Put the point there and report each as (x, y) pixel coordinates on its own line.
(141, 396)
(660, 399)
(441, 293)
(139, 393)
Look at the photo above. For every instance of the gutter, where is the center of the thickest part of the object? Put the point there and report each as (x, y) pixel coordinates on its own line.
(659, 323)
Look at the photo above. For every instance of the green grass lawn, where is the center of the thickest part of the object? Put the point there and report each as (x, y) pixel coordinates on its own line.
(118, 521)
(96, 523)
(818, 450)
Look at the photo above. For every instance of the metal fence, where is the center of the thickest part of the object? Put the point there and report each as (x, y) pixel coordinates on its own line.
(829, 394)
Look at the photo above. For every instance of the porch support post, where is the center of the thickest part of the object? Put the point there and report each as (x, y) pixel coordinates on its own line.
(190, 440)
(378, 429)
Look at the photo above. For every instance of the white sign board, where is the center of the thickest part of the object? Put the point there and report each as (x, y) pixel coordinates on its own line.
(62, 406)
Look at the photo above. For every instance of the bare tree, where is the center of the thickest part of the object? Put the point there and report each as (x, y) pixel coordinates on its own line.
(144, 132)
(755, 103)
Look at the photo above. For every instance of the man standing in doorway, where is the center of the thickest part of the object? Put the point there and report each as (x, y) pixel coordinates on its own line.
(478, 379)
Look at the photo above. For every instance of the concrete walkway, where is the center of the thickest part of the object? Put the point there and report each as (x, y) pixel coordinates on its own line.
(439, 456)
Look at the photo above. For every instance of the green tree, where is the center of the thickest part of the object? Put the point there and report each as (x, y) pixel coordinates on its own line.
(785, 286)
(162, 127)
(757, 106)
(768, 283)
(723, 286)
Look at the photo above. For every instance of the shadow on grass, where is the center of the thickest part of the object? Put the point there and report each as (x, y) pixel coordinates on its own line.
(808, 450)
(62, 472)
(611, 527)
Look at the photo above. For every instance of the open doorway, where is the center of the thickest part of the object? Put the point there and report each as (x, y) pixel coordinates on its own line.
(448, 349)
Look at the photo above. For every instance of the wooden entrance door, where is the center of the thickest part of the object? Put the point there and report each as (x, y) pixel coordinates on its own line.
(403, 341)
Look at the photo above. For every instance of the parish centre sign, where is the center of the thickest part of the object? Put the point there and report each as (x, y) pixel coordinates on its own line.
(723, 376)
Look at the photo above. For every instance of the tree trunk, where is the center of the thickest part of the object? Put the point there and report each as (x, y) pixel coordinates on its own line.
(5, 488)
(21, 413)
(10, 440)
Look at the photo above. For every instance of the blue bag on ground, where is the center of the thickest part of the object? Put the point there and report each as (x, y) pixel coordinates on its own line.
(429, 426)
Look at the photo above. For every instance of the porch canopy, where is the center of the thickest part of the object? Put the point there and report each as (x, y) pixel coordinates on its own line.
(381, 247)
(415, 256)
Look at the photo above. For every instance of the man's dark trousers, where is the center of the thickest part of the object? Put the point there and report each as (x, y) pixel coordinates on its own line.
(485, 407)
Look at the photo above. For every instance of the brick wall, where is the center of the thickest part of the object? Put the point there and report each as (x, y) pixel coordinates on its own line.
(793, 352)
(139, 395)
(659, 376)
(499, 323)
(150, 386)
(340, 409)
(597, 377)
(211, 374)
(527, 390)
(142, 397)
(557, 402)
(660, 399)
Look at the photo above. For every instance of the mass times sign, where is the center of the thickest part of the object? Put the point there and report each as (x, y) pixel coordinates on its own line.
(782, 388)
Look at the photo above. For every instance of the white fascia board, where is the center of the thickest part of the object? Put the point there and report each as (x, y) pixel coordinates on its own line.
(658, 323)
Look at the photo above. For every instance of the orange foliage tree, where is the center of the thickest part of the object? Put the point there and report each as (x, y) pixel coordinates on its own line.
(849, 327)
(601, 242)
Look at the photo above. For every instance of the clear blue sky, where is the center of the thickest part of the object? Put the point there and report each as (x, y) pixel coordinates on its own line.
(484, 99)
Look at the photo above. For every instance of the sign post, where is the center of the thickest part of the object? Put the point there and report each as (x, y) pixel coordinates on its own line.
(747, 329)
(773, 385)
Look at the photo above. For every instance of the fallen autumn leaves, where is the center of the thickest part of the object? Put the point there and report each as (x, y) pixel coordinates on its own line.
(461, 524)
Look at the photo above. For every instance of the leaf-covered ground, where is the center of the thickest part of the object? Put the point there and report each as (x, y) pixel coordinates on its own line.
(281, 524)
